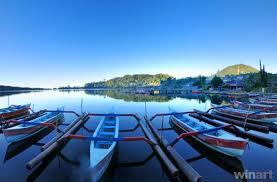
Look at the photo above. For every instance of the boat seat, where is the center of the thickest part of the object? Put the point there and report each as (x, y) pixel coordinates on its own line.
(107, 129)
(103, 133)
(102, 144)
(109, 122)
(109, 126)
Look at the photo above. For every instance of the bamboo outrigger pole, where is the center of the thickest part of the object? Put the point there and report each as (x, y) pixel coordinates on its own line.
(55, 145)
(187, 170)
(253, 137)
(44, 147)
(252, 126)
(174, 172)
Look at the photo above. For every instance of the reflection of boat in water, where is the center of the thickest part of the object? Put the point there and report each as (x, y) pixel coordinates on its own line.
(16, 148)
(228, 163)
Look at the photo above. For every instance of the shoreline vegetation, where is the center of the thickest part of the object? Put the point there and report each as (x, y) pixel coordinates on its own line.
(4, 88)
(236, 78)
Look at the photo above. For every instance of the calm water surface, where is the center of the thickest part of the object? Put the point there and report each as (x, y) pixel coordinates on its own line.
(133, 161)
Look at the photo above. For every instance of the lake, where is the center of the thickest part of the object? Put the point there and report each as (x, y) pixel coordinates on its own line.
(133, 161)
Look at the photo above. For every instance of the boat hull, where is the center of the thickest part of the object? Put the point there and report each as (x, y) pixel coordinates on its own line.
(227, 147)
(249, 119)
(98, 170)
(15, 135)
(255, 106)
(101, 156)
(20, 112)
(242, 114)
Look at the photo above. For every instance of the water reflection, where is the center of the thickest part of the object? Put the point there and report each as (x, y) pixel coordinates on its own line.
(9, 93)
(130, 97)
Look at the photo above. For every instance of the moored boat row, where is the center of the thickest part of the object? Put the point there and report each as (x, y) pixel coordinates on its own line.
(14, 111)
(255, 106)
(106, 136)
(249, 115)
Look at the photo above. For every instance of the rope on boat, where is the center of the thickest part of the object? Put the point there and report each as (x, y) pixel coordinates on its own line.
(117, 139)
(193, 133)
(247, 116)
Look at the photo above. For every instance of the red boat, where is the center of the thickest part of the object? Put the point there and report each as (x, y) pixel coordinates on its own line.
(14, 111)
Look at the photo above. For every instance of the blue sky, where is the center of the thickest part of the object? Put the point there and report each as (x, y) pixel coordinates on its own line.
(54, 43)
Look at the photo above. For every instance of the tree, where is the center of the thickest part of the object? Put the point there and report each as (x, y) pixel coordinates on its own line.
(200, 82)
(216, 82)
(263, 76)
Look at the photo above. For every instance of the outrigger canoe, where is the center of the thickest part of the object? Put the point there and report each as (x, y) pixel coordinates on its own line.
(220, 141)
(265, 101)
(29, 128)
(14, 111)
(254, 116)
(101, 152)
(257, 106)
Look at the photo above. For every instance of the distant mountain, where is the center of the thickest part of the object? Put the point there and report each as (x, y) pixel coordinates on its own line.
(236, 69)
(138, 80)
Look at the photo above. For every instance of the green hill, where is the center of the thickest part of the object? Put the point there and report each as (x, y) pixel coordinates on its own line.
(138, 80)
(236, 69)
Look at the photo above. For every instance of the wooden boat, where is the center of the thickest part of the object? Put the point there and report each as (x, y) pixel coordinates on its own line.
(197, 91)
(257, 106)
(267, 102)
(228, 163)
(16, 148)
(220, 141)
(29, 128)
(14, 111)
(254, 116)
(101, 152)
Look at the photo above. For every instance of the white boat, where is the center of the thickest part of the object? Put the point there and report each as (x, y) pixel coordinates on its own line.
(220, 141)
(29, 128)
(101, 152)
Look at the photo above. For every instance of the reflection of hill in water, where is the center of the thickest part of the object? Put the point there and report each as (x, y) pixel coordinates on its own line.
(6, 93)
(129, 96)
(144, 97)
(200, 97)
